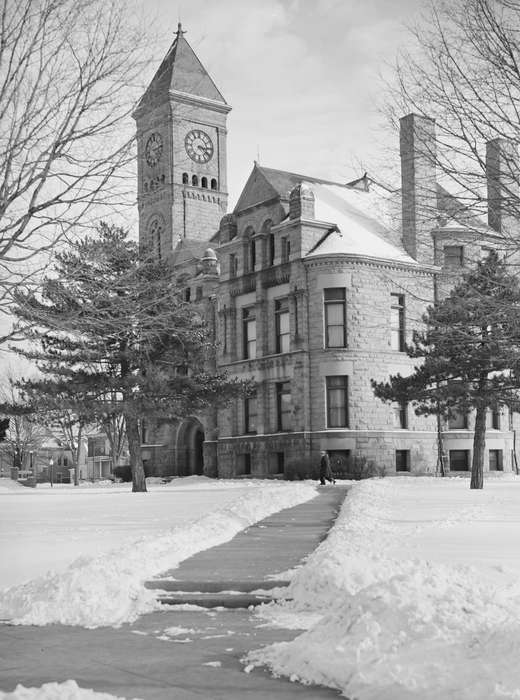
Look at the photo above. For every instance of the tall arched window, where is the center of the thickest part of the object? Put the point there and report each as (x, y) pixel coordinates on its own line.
(185, 178)
(195, 181)
(214, 185)
(204, 183)
(156, 228)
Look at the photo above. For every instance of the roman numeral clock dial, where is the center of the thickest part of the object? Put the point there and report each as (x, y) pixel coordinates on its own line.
(198, 146)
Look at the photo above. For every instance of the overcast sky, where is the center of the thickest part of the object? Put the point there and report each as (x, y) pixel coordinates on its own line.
(302, 77)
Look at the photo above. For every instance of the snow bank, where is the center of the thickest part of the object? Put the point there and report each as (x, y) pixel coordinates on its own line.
(69, 690)
(108, 589)
(383, 622)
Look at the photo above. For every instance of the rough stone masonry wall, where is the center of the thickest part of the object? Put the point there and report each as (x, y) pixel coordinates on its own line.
(373, 431)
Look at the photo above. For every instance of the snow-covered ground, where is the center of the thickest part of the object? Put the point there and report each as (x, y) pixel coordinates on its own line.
(415, 594)
(69, 690)
(81, 555)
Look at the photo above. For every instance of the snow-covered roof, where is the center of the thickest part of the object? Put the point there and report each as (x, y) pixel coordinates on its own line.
(364, 220)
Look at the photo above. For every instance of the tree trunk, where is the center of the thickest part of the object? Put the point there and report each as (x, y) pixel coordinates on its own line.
(479, 444)
(134, 447)
(440, 448)
(76, 455)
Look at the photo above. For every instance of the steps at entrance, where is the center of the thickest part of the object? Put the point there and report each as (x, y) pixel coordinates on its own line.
(213, 586)
(215, 594)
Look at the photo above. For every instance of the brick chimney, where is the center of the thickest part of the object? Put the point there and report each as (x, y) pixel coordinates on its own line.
(503, 190)
(301, 202)
(418, 186)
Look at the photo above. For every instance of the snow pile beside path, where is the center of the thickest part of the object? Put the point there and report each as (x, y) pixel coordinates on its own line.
(69, 690)
(108, 590)
(400, 628)
(10, 485)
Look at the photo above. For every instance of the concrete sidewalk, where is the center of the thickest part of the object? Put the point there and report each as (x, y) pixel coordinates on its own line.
(183, 655)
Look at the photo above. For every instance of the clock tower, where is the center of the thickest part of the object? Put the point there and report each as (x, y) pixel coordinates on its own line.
(181, 153)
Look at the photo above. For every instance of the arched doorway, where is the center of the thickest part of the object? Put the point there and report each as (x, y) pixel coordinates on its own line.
(190, 441)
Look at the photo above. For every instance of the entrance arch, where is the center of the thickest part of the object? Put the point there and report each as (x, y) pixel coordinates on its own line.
(190, 441)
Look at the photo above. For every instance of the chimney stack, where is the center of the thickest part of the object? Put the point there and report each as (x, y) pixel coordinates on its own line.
(418, 186)
(502, 184)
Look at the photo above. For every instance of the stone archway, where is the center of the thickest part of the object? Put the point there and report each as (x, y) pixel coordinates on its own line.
(190, 441)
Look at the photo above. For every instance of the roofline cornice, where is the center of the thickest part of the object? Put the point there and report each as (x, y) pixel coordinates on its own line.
(332, 259)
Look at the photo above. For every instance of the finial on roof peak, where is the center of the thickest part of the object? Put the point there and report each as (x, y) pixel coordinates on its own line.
(180, 30)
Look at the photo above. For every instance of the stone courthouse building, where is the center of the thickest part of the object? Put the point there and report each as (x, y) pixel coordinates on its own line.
(312, 288)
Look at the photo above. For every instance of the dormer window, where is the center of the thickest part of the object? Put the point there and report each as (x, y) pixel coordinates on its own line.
(453, 257)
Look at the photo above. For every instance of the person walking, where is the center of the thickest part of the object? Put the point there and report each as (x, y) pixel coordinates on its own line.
(325, 470)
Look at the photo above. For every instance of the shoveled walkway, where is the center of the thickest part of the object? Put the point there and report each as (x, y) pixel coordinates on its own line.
(190, 654)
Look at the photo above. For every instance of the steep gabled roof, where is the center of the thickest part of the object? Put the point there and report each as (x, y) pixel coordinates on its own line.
(267, 183)
(181, 71)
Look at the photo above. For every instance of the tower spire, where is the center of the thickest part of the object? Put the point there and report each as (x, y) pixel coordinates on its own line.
(180, 31)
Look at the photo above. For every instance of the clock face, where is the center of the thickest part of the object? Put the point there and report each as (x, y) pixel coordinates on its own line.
(153, 149)
(198, 146)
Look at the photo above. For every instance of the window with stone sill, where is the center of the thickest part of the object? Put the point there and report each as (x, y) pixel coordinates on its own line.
(495, 461)
(244, 463)
(282, 330)
(277, 463)
(459, 460)
(493, 419)
(233, 265)
(401, 415)
(249, 333)
(337, 401)
(286, 249)
(397, 322)
(283, 406)
(250, 414)
(335, 308)
(458, 421)
(453, 257)
(402, 460)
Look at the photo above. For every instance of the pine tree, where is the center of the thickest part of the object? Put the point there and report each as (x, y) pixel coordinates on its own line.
(109, 330)
(470, 352)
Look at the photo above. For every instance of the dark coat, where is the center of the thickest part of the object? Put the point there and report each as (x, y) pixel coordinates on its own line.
(325, 470)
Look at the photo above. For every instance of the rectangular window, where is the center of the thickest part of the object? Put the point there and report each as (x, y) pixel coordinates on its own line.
(397, 325)
(233, 265)
(283, 406)
(276, 462)
(401, 415)
(453, 257)
(402, 460)
(493, 421)
(272, 249)
(334, 300)
(485, 252)
(459, 460)
(495, 461)
(252, 255)
(244, 463)
(337, 402)
(458, 421)
(249, 333)
(250, 414)
(198, 293)
(286, 249)
(281, 312)
(187, 294)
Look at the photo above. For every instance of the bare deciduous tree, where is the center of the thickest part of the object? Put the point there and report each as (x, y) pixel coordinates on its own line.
(464, 71)
(69, 74)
